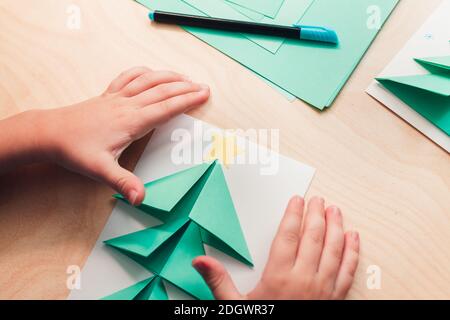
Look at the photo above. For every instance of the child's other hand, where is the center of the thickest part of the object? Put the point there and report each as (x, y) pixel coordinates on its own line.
(310, 260)
(89, 137)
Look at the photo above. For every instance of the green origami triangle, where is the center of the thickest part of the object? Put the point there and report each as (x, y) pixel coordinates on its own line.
(165, 193)
(148, 289)
(172, 261)
(155, 291)
(156, 262)
(146, 241)
(179, 270)
(439, 64)
(214, 211)
(218, 244)
(433, 83)
(429, 94)
(204, 213)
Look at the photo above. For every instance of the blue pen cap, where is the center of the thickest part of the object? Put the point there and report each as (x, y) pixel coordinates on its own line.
(314, 33)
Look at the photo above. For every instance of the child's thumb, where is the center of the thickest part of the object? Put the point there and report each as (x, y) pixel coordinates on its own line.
(124, 182)
(217, 278)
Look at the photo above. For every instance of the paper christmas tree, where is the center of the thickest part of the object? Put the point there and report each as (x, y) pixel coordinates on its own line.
(428, 94)
(196, 208)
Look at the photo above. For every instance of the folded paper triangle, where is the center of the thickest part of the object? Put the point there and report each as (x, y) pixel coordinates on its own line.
(433, 83)
(148, 289)
(157, 195)
(442, 64)
(428, 94)
(199, 210)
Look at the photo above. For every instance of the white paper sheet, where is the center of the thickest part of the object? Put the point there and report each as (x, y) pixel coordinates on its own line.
(432, 40)
(260, 189)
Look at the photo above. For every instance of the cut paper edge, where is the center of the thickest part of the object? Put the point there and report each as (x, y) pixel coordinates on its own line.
(268, 13)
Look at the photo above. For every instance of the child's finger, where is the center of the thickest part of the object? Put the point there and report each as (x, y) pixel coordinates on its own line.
(162, 112)
(311, 243)
(348, 265)
(333, 248)
(285, 245)
(149, 80)
(165, 91)
(217, 278)
(121, 180)
(125, 77)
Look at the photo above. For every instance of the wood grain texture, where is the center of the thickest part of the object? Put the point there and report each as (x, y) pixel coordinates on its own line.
(392, 183)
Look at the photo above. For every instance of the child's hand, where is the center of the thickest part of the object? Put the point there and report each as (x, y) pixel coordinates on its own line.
(310, 260)
(90, 137)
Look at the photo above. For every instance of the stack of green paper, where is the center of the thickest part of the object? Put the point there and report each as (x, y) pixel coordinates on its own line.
(311, 71)
(427, 94)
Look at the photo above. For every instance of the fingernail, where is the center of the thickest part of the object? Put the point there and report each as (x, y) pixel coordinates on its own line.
(336, 211)
(298, 200)
(186, 78)
(204, 87)
(132, 197)
(355, 236)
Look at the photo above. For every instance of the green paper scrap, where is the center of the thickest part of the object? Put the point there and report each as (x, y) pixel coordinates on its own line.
(197, 208)
(268, 8)
(428, 94)
(148, 289)
(311, 71)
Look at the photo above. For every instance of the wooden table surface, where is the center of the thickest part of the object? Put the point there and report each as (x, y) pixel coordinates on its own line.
(392, 183)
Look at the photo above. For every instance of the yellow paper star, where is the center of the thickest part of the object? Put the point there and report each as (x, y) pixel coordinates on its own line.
(224, 148)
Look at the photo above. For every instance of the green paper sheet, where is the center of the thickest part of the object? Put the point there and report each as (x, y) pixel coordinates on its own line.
(311, 71)
(427, 94)
(199, 210)
(253, 15)
(221, 9)
(290, 14)
(268, 8)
